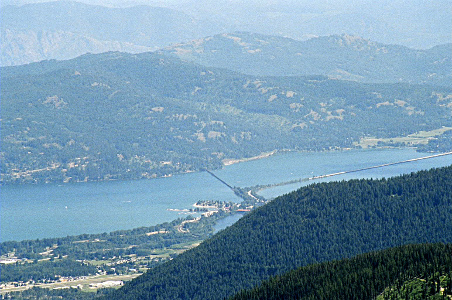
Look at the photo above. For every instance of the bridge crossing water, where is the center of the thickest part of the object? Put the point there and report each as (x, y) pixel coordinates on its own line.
(380, 166)
(52, 210)
(255, 189)
(251, 192)
(221, 180)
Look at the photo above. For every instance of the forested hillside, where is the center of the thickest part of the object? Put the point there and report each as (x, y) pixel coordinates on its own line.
(338, 56)
(124, 116)
(317, 223)
(367, 276)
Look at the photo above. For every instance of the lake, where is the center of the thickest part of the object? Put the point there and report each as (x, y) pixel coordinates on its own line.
(57, 210)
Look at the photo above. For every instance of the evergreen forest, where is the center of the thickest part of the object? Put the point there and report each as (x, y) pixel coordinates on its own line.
(379, 275)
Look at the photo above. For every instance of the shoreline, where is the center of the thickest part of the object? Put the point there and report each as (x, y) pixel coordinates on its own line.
(187, 208)
(231, 161)
(225, 162)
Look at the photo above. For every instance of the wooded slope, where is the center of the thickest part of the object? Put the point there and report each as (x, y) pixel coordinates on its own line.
(123, 116)
(365, 276)
(318, 223)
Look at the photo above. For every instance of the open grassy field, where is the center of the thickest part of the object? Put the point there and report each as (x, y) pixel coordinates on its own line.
(418, 138)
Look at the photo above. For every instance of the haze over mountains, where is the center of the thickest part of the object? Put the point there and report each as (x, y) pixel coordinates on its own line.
(341, 57)
(65, 29)
(199, 108)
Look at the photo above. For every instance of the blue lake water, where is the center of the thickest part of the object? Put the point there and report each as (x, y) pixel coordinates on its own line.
(52, 210)
(227, 221)
(332, 162)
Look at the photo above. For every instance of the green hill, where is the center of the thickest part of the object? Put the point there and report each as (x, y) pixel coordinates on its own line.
(318, 223)
(124, 116)
(408, 272)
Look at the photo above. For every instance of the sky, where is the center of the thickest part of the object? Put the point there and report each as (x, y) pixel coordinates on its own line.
(318, 4)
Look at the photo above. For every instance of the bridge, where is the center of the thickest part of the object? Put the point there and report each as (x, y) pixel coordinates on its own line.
(221, 180)
(242, 193)
(381, 166)
(249, 193)
(263, 187)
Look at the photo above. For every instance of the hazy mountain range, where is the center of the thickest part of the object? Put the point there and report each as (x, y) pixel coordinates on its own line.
(207, 89)
(65, 29)
(341, 57)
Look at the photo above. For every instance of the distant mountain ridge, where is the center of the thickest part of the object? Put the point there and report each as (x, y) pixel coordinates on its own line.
(46, 45)
(67, 29)
(416, 24)
(337, 56)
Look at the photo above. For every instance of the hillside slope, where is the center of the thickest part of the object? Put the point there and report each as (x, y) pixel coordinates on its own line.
(337, 56)
(366, 276)
(62, 121)
(318, 223)
(123, 116)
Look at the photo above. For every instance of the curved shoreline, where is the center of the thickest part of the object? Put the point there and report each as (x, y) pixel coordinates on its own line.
(231, 161)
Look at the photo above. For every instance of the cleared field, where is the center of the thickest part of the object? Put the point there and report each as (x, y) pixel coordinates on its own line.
(82, 283)
(418, 138)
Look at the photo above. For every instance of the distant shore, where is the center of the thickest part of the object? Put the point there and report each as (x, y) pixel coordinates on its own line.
(231, 161)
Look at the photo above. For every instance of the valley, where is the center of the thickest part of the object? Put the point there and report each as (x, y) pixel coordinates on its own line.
(225, 150)
(85, 284)
(101, 261)
(415, 139)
